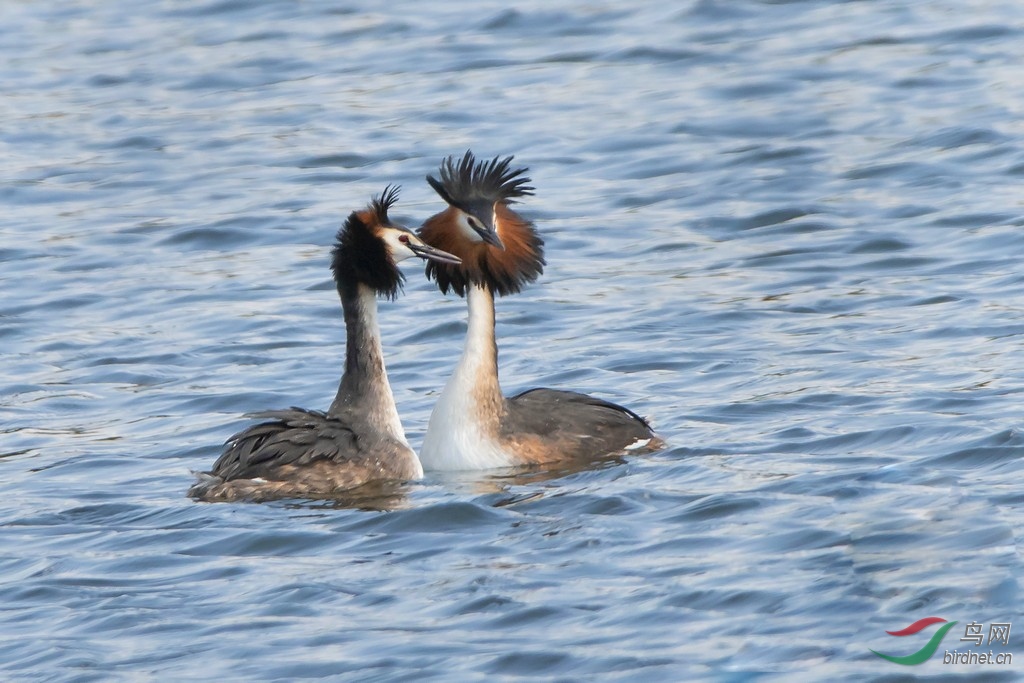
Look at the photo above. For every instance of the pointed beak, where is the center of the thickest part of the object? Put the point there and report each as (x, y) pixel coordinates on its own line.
(429, 253)
(490, 235)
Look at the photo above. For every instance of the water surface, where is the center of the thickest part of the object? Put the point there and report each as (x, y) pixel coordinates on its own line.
(788, 232)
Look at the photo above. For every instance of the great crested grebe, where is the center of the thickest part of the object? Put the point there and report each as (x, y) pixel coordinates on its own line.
(307, 453)
(473, 426)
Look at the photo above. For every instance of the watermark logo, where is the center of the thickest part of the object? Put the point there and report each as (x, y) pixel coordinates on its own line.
(998, 632)
(930, 647)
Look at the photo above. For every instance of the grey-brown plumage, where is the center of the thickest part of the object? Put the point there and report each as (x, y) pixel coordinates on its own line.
(308, 453)
(300, 453)
(473, 426)
(575, 425)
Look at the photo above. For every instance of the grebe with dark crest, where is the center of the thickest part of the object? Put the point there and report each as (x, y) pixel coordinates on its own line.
(473, 426)
(306, 453)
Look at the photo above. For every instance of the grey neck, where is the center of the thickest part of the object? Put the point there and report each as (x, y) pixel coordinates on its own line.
(364, 388)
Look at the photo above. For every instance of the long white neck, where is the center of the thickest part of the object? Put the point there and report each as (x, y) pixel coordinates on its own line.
(463, 429)
(364, 385)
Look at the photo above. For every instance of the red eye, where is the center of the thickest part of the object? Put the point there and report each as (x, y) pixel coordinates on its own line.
(404, 239)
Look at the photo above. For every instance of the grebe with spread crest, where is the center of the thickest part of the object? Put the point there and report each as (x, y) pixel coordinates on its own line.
(473, 426)
(307, 453)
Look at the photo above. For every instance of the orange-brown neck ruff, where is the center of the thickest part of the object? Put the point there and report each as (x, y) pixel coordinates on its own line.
(503, 272)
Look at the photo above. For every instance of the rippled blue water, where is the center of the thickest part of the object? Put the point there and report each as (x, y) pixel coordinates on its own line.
(789, 232)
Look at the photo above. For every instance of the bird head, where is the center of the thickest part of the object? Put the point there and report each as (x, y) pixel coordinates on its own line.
(499, 248)
(369, 247)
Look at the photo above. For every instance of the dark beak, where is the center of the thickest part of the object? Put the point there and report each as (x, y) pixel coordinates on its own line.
(489, 234)
(429, 253)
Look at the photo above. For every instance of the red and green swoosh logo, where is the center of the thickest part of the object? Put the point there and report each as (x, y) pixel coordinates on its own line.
(930, 647)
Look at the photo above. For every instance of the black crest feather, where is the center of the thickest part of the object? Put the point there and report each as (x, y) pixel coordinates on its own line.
(466, 181)
(360, 255)
(380, 204)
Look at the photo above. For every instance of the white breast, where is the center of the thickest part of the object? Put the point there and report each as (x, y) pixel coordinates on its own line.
(455, 440)
(460, 436)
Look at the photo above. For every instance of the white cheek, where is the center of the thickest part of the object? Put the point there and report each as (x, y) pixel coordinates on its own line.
(400, 252)
(467, 230)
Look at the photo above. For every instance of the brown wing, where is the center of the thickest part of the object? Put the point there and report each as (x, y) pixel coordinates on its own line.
(574, 425)
(300, 452)
(289, 437)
